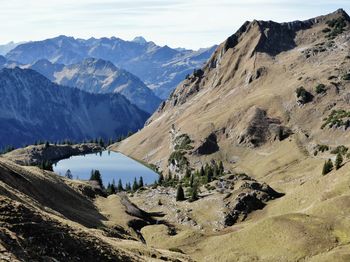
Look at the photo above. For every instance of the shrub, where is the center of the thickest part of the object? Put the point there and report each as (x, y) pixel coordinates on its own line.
(346, 77)
(337, 118)
(336, 27)
(303, 95)
(322, 148)
(320, 88)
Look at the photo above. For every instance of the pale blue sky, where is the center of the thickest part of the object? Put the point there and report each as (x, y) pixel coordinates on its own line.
(177, 23)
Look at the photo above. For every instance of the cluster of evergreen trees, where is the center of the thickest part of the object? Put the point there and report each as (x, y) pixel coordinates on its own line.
(328, 165)
(100, 141)
(192, 180)
(46, 165)
(113, 188)
(6, 149)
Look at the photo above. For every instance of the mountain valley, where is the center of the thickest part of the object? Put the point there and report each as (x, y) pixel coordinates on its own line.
(251, 149)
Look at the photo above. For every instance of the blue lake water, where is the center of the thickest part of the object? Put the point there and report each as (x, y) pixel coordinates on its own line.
(111, 165)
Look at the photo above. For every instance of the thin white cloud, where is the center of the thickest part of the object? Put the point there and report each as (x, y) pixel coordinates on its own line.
(192, 24)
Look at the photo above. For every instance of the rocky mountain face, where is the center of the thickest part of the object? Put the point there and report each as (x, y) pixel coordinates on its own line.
(271, 102)
(4, 49)
(99, 76)
(34, 108)
(161, 68)
(247, 95)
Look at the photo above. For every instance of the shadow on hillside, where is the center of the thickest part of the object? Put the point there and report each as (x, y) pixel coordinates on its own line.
(51, 193)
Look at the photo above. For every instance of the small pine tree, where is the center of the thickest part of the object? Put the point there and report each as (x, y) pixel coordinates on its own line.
(135, 185)
(96, 176)
(327, 167)
(141, 182)
(109, 190)
(209, 174)
(127, 187)
(194, 192)
(191, 181)
(338, 161)
(120, 186)
(201, 172)
(188, 173)
(113, 189)
(170, 176)
(101, 142)
(161, 179)
(221, 168)
(69, 174)
(180, 195)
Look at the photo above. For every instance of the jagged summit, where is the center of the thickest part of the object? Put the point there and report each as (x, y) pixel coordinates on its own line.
(263, 59)
(140, 40)
(257, 38)
(96, 75)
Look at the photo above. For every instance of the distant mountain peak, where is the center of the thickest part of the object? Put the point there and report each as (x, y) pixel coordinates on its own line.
(140, 40)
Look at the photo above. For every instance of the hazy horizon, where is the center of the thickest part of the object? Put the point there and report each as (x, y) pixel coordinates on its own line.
(174, 23)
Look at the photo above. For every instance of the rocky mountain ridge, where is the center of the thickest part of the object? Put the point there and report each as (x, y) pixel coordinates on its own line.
(36, 109)
(161, 68)
(100, 76)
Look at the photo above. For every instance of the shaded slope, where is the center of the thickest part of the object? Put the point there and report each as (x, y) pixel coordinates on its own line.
(34, 108)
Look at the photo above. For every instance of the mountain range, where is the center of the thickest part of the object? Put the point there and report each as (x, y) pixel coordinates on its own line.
(34, 108)
(160, 68)
(99, 76)
(5, 48)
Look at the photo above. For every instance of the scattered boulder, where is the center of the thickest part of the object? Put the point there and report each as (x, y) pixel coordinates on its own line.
(249, 196)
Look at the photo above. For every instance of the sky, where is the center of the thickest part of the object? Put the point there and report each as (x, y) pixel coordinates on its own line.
(176, 23)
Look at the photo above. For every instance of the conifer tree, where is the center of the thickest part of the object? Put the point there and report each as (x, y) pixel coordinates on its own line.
(338, 161)
(96, 176)
(327, 167)
(201, 172)
(194, 192)
(209, 174)
(191, 181)
(69, 174)
(128, 187)
(188, 173)
(180, 195)
(120, 186)
(161, 179)
(141, 182)
(221, 168)
(135, 185)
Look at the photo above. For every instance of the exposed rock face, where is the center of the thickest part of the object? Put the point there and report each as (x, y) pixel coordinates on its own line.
(35, 155)
(208, 146)
(247, 195)
(259, 128)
